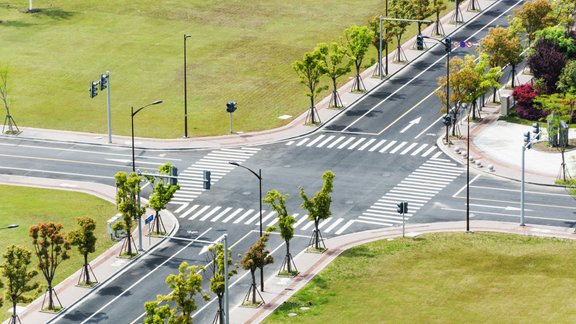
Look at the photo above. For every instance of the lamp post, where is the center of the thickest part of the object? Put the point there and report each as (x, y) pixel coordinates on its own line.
(9, 226)
(185, 91)
(259, 176)
(468, 177)
(133, 113)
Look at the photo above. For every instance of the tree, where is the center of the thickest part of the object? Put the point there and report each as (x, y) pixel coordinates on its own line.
(563, 11)
(422, 9)
(567, 80)
(400, 9)
(15, 270)
(319, 206)
(336, 64)
(217, 283)
(561, 109)
(286, 222)
(358, 41)
(127, 192)
(546, 63)
(437, 7)
(184, 287)
(256, 257)
(51, 248)
(309, 71)
(8, 120)
(162, 193)
(502, 48)
(525, 107)
(85, 240)
(561, 37)
(374, 26)
(533, 16)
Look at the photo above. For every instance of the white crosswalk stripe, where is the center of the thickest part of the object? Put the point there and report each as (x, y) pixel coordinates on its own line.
(191, 179)
(368, 144)
(415, 189)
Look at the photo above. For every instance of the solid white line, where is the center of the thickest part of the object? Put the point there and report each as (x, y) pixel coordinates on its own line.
(366, 144)
(61, 160)
(373, 148)
(464, 186)
(57, 172)
(236, 212)
(514, 215)
(383, 219)
(371, 223)
(526, 191)
(336, 142)
(434, 123)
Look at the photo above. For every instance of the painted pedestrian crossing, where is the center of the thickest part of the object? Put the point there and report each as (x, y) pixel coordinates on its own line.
(418, 188)
(191, 179)
(365, 144)
(251, 217)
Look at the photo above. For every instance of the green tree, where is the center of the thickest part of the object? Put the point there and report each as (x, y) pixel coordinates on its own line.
(502, 48)
(437, 7)
(184, 287)
(8, 121)
(256, 257)
(51, 248)
(15, 270)
(567, 81)
(400, 9)
(286, 222)
(216, 267)
(127, 191)
(309, 71)
(422, 9)
(162, 193)
(318, 207)
(374, 26)
(559, 36)
(336, 64)
(85, 240)
(533, 16)
(358, 41)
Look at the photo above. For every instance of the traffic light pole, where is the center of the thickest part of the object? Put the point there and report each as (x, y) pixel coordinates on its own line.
(522, 187)
(109, 113)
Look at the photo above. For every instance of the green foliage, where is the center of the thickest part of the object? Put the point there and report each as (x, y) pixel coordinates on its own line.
(84, 237)
(216, 267)
(184, 287)
(336, 61)
(318, 207)
(559, 36)
(127, 190)
(533, 16)
(358, 41)
(502, 47)
(567, 80)
(15, 270)
(162, 193)
(374, 26)
(257, 256)
(310, 69)
(401, 9)
(286, 222)
(51, 248)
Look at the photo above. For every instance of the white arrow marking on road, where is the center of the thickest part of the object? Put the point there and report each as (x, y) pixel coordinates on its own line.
(410, 124)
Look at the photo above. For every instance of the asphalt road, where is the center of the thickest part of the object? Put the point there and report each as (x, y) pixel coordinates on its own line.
(382, 151)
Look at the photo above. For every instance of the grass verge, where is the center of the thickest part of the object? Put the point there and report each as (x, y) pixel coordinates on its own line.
(443, 278)
(28, 206)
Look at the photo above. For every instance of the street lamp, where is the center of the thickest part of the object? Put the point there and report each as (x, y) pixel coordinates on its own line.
(259, 176)
(9, 226)
(133, 113)
(186, 36)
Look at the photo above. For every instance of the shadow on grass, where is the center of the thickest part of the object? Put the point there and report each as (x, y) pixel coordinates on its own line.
(53, 13)
(15, 23)
(359, 251)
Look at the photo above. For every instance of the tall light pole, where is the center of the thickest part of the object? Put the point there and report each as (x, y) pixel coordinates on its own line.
(468, 176)
(259, 176)
(186, 36)
(133, 113)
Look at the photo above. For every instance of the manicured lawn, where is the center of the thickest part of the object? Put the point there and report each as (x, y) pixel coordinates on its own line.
(443, 278)
(239, 50)
(28, 206)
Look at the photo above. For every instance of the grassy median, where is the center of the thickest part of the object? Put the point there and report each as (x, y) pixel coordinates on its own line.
(28, 206)
(443, 278)
(239, 50)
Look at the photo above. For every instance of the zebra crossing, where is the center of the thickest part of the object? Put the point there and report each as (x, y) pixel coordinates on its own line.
(191, 179)
(251, 217)
(417, 189)
(366, 144)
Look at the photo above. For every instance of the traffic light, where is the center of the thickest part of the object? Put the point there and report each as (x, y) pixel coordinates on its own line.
(447, 120)
(400, 208)
(174, 175)
(419, 42)
(448, 44)
(103, 82)
(231, 106)
(536, 130)
(93, 89)
(405, 207)
(527, 140)
(206, 180)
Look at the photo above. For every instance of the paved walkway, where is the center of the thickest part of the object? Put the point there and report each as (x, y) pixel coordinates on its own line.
(493, 143)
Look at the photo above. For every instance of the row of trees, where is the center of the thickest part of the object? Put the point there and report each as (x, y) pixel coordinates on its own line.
(51, 247)
(178, 305)
(334, 60)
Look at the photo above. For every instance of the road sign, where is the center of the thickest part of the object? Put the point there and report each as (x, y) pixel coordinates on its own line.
(149, 219)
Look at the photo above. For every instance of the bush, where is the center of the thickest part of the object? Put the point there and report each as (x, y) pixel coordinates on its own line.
(530, 112)
(526, 108)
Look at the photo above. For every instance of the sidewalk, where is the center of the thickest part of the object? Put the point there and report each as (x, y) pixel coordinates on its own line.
(492, 143)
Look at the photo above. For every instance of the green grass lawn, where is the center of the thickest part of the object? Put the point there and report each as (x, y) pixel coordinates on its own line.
(239, 50)
(28, 206)
(443, 278)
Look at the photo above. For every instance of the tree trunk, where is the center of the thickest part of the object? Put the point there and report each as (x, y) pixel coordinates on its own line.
(87, 274)
(14, 315)
(312, 117)
(220, 312)
(253, 286)
(129, 238)
(473, 110)
(358, 66)
(288, 259)
(398, 48)
(494, 95)
(50, 297)
(316, 237)
(335, 91)
(437, 22)
(513, 74)
(157, 222)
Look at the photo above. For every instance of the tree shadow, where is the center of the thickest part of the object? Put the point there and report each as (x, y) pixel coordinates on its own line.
(14, 23)
(53, 13)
